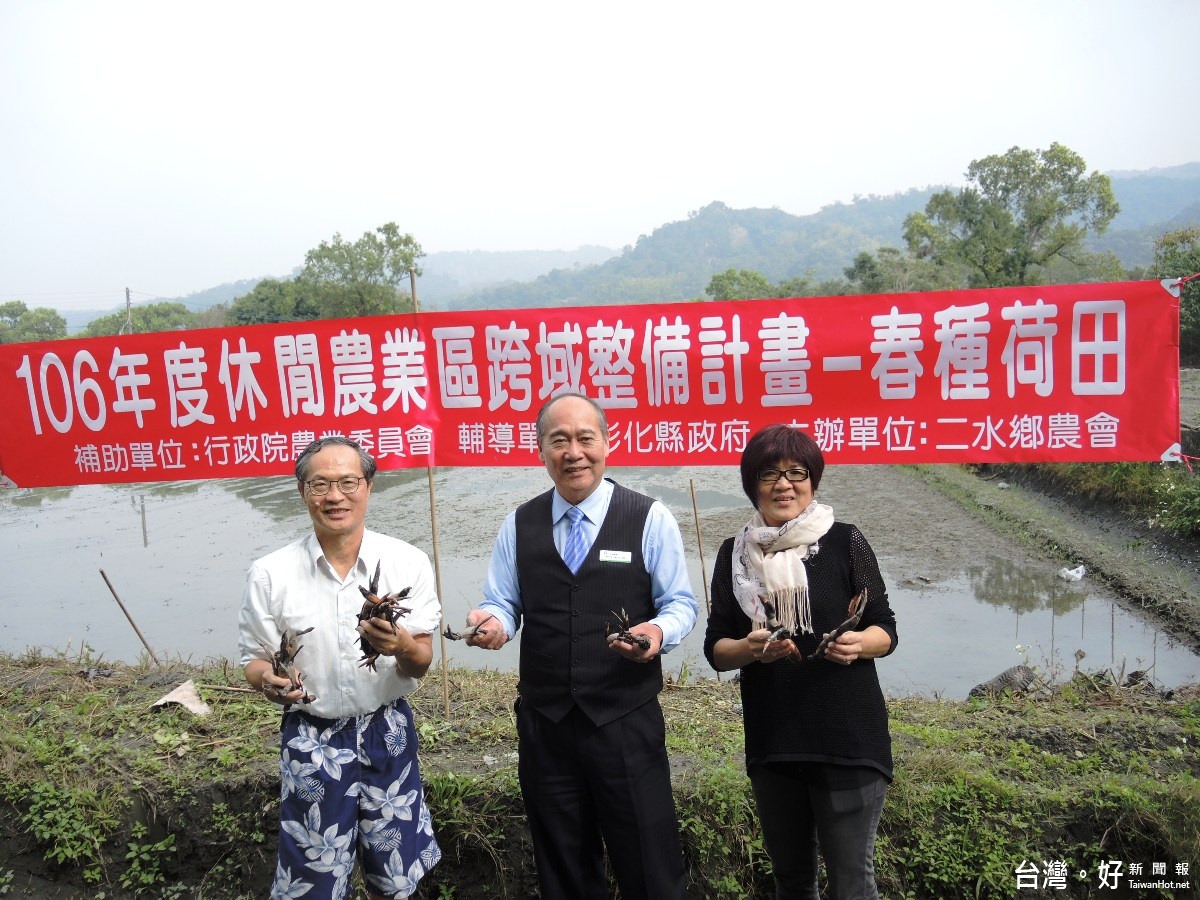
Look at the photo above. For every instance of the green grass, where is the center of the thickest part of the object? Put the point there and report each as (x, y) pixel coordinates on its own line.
(123, 799)
(1168, 495)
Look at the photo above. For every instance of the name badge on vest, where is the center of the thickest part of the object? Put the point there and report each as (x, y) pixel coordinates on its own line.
(618, 556)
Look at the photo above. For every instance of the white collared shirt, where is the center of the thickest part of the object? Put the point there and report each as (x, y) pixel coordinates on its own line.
(296, 588)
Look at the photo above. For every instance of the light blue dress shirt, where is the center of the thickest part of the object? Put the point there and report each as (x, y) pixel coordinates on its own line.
(662, 549)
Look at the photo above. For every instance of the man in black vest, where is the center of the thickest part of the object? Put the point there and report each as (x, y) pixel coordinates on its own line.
(593, 759)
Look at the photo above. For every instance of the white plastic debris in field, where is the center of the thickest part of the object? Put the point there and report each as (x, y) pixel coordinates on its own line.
(1075, 574)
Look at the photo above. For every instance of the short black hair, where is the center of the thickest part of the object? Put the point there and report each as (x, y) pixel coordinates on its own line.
(369, 466)
(770, 446)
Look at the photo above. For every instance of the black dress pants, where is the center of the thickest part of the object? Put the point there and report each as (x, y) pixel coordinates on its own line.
(830, 809)
(587, 788)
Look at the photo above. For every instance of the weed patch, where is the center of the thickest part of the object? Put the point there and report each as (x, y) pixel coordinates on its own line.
(104, 791)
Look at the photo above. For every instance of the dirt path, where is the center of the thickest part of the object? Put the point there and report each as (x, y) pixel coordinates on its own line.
(920, 534)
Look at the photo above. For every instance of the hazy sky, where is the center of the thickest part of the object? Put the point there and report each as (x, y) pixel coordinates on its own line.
(169, 147)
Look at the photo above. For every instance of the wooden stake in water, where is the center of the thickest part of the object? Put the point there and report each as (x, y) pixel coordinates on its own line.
(437, 565)
(130, 618)
(437, 577)
(700, 547)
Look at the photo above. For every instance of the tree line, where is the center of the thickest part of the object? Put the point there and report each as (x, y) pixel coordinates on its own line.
(1022, 219)
(340, 279)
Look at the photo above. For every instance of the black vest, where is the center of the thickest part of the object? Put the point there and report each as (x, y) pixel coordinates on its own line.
(564, 656)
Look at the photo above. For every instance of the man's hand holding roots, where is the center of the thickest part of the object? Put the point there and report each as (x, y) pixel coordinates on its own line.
(631, 649)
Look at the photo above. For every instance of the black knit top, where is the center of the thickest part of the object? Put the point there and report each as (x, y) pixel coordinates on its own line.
(818, 712)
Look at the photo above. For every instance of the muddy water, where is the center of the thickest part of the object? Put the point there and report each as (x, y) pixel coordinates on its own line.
(969, 604)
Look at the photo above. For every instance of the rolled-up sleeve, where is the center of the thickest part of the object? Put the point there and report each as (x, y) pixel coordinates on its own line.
(256, 624)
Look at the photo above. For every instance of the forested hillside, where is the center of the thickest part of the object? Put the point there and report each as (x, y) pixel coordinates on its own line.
(678, 260)
(1151, 203)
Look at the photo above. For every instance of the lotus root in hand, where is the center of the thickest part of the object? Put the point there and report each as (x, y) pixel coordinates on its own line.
(857, 604)
(283, 663)
(469, 631)
(386, 607)
(623, 633)
(779, 632)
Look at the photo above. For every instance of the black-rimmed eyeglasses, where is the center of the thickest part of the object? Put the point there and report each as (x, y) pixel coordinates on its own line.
(795, 476)
(347, 485)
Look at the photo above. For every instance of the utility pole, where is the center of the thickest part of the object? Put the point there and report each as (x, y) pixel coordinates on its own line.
(127, 328)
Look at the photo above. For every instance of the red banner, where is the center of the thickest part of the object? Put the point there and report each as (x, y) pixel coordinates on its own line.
(1061, 373)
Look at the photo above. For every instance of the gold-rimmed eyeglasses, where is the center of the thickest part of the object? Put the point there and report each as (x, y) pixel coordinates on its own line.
(347, 485)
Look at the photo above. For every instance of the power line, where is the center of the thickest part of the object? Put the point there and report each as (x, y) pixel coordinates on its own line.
(99, 296)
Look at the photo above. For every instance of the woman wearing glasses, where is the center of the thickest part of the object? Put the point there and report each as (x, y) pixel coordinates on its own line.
(818, 750)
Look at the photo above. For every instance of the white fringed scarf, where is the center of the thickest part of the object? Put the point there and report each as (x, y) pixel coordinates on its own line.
(769, 562)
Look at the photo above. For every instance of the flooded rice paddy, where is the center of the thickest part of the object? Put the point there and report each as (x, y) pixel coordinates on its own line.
(968, 603)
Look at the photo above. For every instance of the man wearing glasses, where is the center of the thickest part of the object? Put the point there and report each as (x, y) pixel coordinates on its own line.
(351, 785)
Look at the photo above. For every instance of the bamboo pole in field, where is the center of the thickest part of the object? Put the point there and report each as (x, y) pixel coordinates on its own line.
(437, 576)
(700, 547)
(137, 630)
(437, 562)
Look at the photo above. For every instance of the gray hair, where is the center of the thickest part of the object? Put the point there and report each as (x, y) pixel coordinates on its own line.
(544, 413)
(369, 466)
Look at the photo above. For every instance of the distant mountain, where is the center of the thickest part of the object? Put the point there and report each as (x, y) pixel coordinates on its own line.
(1152, 202)
(447, 278)
(78, 319)
(222, 293)
(677, 260)
(450, 276)
(1147, 198)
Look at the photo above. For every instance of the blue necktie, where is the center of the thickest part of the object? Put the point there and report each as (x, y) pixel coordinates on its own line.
(576, 548)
